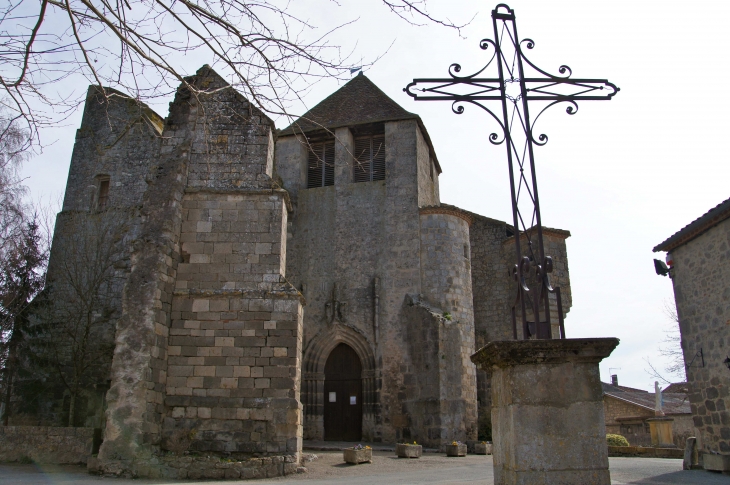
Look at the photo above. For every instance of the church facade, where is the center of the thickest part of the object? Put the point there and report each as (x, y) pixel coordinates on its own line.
(280, 285)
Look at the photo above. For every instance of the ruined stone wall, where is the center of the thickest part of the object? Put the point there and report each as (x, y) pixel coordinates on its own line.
(135, 400)
(224, 362)
(118, 140)
(701, 278)
(58, 446)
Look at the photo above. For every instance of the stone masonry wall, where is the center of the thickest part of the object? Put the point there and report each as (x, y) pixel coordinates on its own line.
(224, 362)
(118, 139)
(446, 282)
(701, 278)
(495, 290)
(348, 235)
(58, 446)
(235, 342)
(428, 176)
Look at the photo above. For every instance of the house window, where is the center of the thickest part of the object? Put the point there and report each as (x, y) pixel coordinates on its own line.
(369, 158)
(103, 194)
(321, 164)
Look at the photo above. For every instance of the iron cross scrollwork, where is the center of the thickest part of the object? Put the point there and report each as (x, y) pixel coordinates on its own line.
(512, 79)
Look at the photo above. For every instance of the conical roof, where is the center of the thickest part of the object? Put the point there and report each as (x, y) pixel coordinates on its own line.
(358, 102)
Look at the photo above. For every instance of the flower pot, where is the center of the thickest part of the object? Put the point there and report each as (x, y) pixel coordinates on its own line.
(405, 450)
(456, 450)
(351, 455)
(483, 448)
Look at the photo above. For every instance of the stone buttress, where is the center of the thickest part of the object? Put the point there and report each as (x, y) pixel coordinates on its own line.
(209, 343)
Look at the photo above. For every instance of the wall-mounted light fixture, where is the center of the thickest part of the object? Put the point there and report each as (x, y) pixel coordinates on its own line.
(727, 362)
(662, 268)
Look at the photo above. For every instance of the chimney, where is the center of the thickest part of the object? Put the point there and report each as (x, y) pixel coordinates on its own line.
(614, 380)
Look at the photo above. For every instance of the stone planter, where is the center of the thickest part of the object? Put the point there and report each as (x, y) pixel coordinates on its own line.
(355, 457)
(483, 448)
(405, 450)
(456, 450)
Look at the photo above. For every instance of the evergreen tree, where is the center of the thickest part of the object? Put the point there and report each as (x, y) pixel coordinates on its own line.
(22, 276)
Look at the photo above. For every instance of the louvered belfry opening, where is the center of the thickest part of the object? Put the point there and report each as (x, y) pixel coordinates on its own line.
(369, 164)
(321, 164)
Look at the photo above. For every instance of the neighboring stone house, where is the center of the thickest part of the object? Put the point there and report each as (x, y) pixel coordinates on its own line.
(701, 278)
(627, 409)
(280, 285)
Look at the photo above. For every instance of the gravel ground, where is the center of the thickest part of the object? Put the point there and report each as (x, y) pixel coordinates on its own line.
(386, 469)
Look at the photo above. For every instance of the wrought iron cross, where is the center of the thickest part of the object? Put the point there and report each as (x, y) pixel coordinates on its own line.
(518, 83)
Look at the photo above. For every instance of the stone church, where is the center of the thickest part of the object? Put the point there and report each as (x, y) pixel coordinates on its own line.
(279, 285)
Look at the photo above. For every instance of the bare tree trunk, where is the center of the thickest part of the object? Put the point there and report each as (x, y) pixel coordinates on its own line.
(71, 409)
(8, 393)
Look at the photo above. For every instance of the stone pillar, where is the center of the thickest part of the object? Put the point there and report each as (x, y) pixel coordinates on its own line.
(661, 432)
(547, 410)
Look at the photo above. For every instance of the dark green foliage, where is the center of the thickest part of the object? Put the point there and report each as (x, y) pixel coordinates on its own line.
(22, 276)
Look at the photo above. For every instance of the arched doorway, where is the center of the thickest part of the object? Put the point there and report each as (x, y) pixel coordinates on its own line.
(343, 395)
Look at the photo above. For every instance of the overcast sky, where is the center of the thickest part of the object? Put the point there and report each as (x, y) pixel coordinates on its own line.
(621, 176)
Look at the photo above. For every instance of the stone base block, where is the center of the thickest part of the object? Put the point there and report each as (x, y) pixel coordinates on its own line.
(547, 411)
(483, 449)
(716, 463)
(405, 450)
(198, 467)
(42, 444)
(355, 457)
(456, 450)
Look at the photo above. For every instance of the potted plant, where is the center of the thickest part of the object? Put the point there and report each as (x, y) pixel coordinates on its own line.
(408, 450)
(358, 454)
(456, 448)
(483, 448)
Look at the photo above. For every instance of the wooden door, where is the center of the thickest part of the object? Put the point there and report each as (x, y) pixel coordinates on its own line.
(343, 395)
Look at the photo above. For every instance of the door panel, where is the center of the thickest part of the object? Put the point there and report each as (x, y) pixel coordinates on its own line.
(343, 415)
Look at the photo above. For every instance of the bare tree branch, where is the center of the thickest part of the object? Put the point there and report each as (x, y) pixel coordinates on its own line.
(262, 47)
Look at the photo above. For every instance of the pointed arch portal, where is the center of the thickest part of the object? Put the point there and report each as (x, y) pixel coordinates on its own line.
(340, 359)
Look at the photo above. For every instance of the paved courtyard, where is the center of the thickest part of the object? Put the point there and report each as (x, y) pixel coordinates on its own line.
(328, 468)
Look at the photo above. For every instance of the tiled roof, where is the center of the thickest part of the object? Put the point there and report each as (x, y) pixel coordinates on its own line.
(711, 218)
(673, 402)
(676, 387)
(358, 102)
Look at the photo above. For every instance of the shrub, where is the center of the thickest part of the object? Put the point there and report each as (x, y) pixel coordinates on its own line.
(616, 440)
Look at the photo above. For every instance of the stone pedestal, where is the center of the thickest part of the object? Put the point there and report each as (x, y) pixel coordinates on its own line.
(661, 432)
(405, 450)
(547, 411)
(716, 463)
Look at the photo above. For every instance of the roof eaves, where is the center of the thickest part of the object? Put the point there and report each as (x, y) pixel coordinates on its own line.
(697, 227)
(624, 399)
